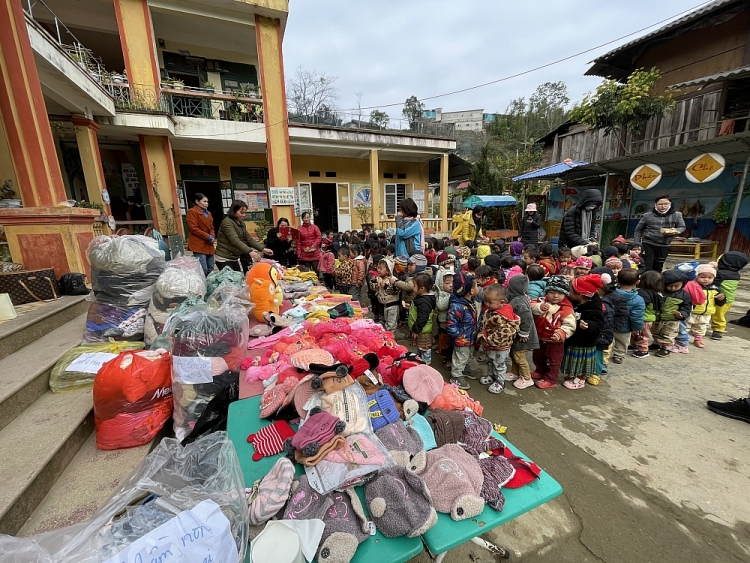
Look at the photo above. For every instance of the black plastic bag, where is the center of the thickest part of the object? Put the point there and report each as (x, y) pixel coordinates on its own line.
(73, 284)
(214, 418)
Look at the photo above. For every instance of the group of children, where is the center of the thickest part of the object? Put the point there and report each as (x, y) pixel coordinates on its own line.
(573, 309)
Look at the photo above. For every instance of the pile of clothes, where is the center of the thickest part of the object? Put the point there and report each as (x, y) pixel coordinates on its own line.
(124, 270)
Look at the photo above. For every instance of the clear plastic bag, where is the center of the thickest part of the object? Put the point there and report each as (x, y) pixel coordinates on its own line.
(105, 322)
(225, 274)
(182, 278)
(179, 477)
(207, 347)
(124, 269)
(229, 294)
(78, 367)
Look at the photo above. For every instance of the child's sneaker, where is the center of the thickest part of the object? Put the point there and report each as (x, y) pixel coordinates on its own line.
(486, 380)
(544, 384)
(677, 349)
(663, 353)
(618, 359)
(523, 383)
(716, 335)
(461, 383)
(641, 354)
(605, 371)
(593, 380)
(534, 375)
(699, 343)
(574, 383)
(496, 388)
(511, 377)
(471, 373)
(654, 346)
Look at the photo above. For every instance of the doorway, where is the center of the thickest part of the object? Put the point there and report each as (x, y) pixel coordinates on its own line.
(324, 206)
(210, 189)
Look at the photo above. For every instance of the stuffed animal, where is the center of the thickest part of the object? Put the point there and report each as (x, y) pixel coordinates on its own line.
(265, 293)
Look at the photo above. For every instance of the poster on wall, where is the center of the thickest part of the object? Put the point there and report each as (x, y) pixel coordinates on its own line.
(618, 199)
(255, 201)
(130, 179)
(282, 196)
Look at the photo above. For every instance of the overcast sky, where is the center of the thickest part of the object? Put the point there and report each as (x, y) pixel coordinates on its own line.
(391, 49)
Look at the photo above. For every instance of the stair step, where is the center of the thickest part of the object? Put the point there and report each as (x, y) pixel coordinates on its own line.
(35, 449)
(24, 375)
(87, 482)
(28, 327)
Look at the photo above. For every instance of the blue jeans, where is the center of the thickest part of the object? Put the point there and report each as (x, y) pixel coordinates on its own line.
(207, 262)
(682, 337)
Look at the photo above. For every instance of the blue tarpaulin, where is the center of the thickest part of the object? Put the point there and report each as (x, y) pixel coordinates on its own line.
(489, 201)
(551, 172)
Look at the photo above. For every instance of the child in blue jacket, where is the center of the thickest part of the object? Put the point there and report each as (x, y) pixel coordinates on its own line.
(461, 324)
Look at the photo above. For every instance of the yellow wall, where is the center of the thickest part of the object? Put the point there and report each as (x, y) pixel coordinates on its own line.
(159, 169)
(135, 23)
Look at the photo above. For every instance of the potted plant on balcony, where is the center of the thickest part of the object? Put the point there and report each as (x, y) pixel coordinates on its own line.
(178, 84)
(209, 87)
(364, 212)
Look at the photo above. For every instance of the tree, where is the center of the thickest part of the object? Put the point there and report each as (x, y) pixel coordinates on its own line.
(309, 91)
(379, 119)
(412, 111)
(619, 107)
(548, 105)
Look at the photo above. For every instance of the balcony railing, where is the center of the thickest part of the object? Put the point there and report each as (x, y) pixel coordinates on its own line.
(360, 121)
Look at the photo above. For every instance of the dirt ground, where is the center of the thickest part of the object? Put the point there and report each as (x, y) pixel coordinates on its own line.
(648, 473)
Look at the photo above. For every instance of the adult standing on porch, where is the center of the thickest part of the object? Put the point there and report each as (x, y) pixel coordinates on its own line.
(655, 232)
(469, 225)
(202, 236)
(409, 229)
(234, 241)
(308, 245)
(280, 243)
(530, 225)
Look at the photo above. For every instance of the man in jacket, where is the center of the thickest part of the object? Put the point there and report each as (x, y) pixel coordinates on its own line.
(655, 232)
(577, 225)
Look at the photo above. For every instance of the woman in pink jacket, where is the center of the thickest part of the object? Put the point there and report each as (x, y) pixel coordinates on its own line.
(308, 246)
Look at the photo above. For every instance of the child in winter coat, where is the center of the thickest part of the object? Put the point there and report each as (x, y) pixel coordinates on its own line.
(327, 263)
(547, 260)
(461, 324)
(526, 339)
(388, 294)
(421, 316)
(371, 281)
(579, 362)
(342, 272)
(650, 288)
(627, 280)
(497, 329)
(537, 284)
(444, 290)
(616, 313)
(555, 322)
(359, 269)
(677, 307)
(700, 320)
(414, 265)
(727, 278)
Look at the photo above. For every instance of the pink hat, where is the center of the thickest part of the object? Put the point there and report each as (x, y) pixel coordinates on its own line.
(531, 207)
(423, 383)
(317, 430)
(359, 450)
(273, 492)
(304, 358)
(705, 269)
(584, 262)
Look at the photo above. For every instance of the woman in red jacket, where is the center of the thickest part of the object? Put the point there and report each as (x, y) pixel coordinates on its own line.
(202, 235)
(308, 246)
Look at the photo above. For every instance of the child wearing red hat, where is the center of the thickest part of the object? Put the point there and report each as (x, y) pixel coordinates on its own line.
(579, 362)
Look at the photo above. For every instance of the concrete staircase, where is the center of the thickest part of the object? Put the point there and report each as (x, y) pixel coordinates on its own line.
(52, 473)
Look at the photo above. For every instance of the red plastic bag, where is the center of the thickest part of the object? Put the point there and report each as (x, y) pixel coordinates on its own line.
(132, 398)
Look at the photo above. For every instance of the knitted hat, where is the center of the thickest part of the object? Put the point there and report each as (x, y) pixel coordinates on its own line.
(424, 383)
(305, 503)
(335, 443)
(493, 261)
(317, 430)
(418, 260)
(269, 440)
(610, 251)
(304, 358)
(273, 492)
(302, 395)
(673, 276)
(584, 262)
(400, 261)
(400, 503)
(404, 445)
(619, 239)
(345, 528)
(465, 252)
(606, 274)
(705, 269)
(454, 480)
(382, 409)
(587, 285)
(559, 284)
(497, 471)
(613, 261)
(359, 450)
(273, 397)
(476, 432)
(368, 361)
(444, 259)
(462, 284)
(447, 426)
(348, 407)
(423, 428)
(333, 381)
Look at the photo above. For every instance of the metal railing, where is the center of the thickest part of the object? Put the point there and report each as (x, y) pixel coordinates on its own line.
(185, 101)
(360, 121)
(137, 97)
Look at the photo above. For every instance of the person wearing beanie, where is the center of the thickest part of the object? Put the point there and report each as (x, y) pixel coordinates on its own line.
(498, 327)
(389, 296)
(444, 290)
(677, 306)
(699, 321)
(614, 264)
(516, 249)
(627, 280)
(727, 278)
(579, 361)
(461, 325)
(421, 315)
(555, 322)
(615, 310)
(583, 265)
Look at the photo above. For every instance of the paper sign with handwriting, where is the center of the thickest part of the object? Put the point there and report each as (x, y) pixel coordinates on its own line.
(200, 535)
(192, 370)
(90, 362)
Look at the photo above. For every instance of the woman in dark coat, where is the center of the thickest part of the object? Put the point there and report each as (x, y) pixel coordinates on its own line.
(530, 225)
(281, 245)
(577, 225)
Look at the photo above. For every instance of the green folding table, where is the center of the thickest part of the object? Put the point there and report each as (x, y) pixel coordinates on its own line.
(444, 536)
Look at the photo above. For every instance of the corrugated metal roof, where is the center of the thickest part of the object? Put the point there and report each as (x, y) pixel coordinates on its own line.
(551, 171)
(687, 18)
(713, 77)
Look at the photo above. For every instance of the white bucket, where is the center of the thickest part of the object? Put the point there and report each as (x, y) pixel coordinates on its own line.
(276, 544)
(7, 311)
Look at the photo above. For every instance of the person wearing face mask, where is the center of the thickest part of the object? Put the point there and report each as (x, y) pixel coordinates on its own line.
(577, 227)
(655, 232)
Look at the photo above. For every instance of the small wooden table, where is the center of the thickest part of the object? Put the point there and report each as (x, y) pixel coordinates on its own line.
(695, 250)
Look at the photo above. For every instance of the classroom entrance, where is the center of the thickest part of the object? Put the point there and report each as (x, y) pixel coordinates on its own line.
(325, 210)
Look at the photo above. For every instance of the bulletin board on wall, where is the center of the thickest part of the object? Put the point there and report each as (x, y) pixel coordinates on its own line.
(250, 184)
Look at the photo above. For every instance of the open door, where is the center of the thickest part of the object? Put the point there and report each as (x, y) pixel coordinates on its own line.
(344, 207)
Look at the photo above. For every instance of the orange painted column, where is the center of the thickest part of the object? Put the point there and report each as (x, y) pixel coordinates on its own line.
(271, 61)
(24, 114)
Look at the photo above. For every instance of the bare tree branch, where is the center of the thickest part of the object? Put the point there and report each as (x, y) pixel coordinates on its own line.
(310, 92)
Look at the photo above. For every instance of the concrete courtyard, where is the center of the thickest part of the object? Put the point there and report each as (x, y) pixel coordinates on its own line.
(648, 472)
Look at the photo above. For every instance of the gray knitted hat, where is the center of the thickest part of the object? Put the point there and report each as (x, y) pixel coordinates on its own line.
(454, 480)
(476, 432)
(497, 471)
(346, 528)
(399, 503)
(404, 444)
(306, 503)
